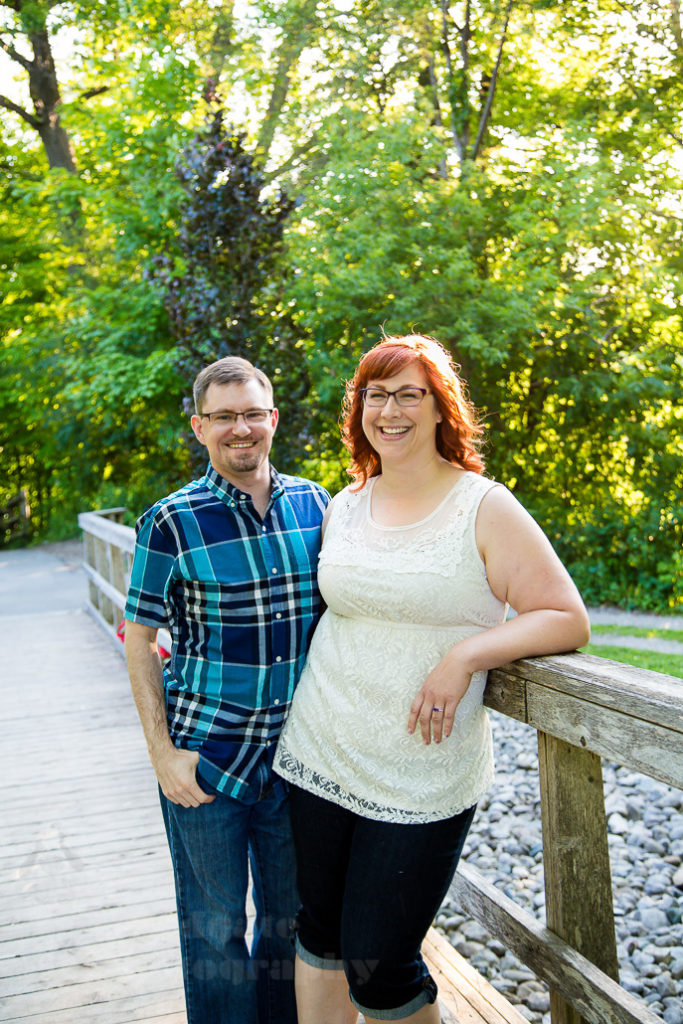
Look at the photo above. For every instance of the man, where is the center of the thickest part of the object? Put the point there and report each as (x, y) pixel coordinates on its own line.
(228, 563)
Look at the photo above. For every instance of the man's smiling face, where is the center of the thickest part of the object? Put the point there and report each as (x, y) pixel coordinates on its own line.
(239, 450)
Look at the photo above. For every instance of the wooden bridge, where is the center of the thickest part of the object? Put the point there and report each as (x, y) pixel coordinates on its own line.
(87, 913)
(89, 931)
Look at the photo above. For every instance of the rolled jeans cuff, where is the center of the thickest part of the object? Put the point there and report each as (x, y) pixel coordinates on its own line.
(427, 995)
(323, 963)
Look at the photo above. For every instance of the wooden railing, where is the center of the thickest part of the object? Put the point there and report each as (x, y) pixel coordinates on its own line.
(584, 708)
(108, 556)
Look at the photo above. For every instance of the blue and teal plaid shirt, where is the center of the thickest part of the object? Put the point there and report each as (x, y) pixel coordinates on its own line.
(240, 597)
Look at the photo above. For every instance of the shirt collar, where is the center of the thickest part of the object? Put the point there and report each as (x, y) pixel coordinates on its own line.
(231, 495)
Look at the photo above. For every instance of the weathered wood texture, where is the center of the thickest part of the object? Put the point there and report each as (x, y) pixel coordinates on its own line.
(576, 860)
(626, 714)
(88, 932)
(468, 997)
(601, 999)
(585, 708)
(108, 557)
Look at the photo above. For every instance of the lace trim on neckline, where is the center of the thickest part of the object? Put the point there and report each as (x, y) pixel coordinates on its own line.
(437, 547)
(466, 478)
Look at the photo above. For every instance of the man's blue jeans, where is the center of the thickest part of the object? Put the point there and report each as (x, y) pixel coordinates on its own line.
(211, 847)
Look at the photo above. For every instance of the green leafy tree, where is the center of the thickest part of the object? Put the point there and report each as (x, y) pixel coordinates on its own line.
(25, 39)
(505, 176)
(547, 260)
(90, 400)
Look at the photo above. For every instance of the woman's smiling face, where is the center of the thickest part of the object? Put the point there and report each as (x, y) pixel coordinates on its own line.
(399, 432)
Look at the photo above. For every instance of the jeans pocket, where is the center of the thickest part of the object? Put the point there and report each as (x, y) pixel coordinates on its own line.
(203, 783)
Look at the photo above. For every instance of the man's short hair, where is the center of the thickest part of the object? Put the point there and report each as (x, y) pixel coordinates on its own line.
(229, 370)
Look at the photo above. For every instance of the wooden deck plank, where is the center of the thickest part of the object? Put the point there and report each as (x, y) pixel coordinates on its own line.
(132, 961)
(30, 856)
(77, 920)
(81, 831)
(466, 994)
(88, 929)
(38, 880)
(30, 966)
(39, 889)
(90, 908)
(134, 998)
(76, 938)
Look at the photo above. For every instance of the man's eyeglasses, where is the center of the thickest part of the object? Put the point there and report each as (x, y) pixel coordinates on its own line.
(226, 418)
(378, 397)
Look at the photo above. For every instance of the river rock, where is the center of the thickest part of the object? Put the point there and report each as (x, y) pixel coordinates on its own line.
(645, 832)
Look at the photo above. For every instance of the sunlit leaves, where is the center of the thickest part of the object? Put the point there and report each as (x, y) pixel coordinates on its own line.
(549, 260)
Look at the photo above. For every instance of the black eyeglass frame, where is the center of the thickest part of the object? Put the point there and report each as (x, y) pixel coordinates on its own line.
(229, 412)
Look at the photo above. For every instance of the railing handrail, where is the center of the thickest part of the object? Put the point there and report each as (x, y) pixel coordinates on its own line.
(628, 715)
(650, 695)
(97, 524)
(651, 698)
(583, 708)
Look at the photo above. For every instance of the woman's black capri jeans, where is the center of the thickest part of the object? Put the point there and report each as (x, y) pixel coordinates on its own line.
(369, 892)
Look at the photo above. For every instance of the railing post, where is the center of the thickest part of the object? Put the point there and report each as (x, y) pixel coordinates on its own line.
(578, 881)
(120, 577)
(103, 566)
(90, 558)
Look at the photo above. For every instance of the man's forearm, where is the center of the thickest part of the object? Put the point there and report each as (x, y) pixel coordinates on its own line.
(175, 769)
(146, 680)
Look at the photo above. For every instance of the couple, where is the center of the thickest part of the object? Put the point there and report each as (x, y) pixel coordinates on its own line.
(386, 747)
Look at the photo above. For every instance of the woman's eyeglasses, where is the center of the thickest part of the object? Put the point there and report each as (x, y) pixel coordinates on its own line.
(406, 396)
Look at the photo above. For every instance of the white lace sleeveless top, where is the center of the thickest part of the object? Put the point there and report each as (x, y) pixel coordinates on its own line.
(398, 598)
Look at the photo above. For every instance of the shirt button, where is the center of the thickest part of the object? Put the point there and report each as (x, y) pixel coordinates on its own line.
(274, 570)
(263, 529)
(278, 615)
(276, 701)
(278, 658)
(243, 497)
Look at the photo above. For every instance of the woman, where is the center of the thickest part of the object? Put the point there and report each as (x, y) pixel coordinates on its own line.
(387, 746)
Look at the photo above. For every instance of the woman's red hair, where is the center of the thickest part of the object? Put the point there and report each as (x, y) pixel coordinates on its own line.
(459, 433)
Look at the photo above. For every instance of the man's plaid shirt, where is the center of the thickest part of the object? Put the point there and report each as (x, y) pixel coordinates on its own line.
(240, 597)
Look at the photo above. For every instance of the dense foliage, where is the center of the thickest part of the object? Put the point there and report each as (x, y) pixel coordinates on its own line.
(223, 286)
(504, 176)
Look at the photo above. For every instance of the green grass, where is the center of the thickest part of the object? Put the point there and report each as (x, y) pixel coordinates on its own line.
(661, 634)
(670, 664)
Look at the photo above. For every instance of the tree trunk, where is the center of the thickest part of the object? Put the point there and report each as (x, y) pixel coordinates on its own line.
(44, 90)
(298, 35)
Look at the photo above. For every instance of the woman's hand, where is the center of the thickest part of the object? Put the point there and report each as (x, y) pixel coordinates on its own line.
(523, 571)
(435, 705)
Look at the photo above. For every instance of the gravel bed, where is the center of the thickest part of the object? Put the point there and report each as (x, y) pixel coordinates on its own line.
(645, 825)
